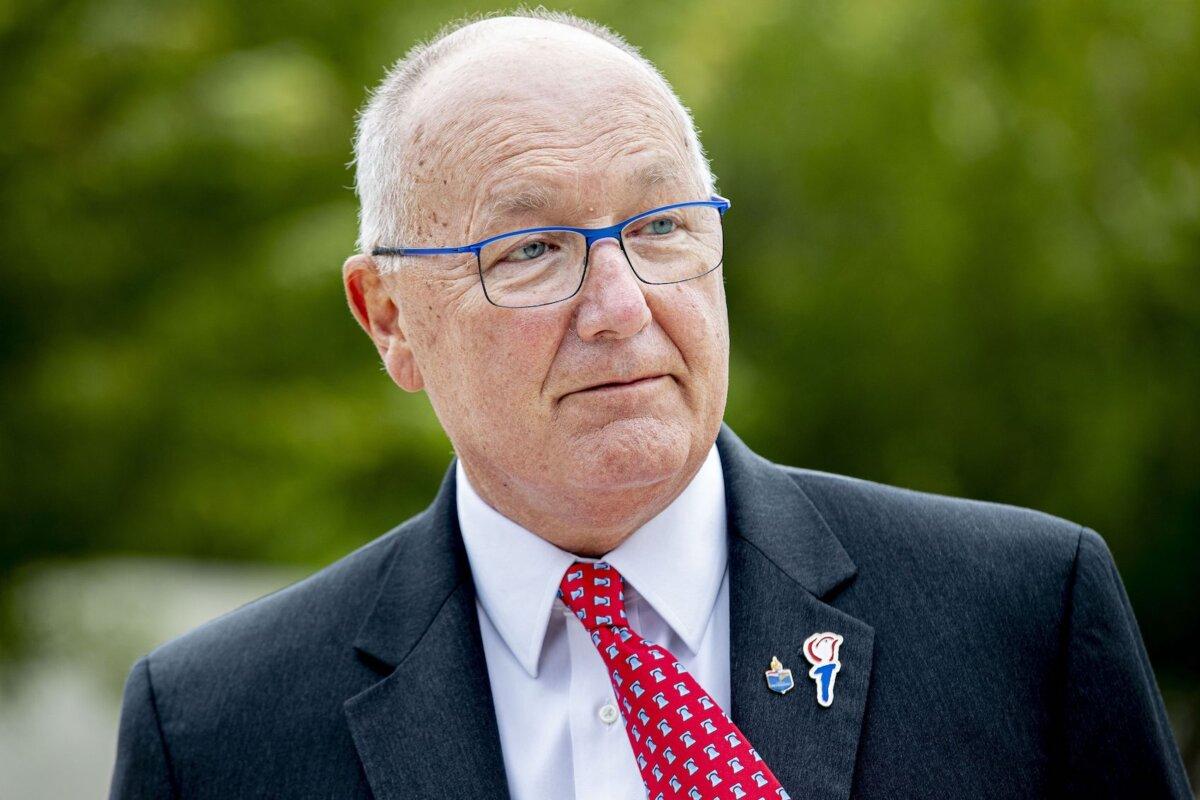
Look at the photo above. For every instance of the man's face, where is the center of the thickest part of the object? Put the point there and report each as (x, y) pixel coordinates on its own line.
(569, 120)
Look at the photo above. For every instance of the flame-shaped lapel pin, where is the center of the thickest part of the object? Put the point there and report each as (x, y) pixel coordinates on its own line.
(821, 650)
(779, 679)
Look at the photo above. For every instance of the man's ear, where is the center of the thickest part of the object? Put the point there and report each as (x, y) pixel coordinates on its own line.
(372, 305)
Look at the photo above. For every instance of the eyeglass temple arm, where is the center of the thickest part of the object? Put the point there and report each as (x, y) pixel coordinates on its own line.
(422, 251)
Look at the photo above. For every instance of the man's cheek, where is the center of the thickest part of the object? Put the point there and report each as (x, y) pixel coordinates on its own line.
(534, 328)
(525, 344)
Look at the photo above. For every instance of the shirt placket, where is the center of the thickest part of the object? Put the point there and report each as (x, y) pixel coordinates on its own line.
(602, 758)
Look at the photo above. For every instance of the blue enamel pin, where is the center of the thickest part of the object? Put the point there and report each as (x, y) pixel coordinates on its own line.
(779, 679)
(821, 650)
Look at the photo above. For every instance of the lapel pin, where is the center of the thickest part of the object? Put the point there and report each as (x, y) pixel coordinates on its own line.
(821, 650)
(779, 679)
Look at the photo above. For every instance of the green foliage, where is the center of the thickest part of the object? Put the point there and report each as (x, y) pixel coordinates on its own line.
(962, 257)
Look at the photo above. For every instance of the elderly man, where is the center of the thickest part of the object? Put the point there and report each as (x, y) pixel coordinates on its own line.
(611, 596)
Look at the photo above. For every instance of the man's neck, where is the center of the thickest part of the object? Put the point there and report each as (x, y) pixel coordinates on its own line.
(583, 521)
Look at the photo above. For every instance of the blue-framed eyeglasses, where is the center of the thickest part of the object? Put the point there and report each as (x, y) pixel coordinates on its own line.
(539, 266)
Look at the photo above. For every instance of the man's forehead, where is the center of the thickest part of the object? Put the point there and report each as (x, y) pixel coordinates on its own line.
(537, 192)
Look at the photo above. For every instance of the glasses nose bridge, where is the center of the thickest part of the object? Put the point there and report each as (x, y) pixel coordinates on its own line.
(590, 237)
(597, 235)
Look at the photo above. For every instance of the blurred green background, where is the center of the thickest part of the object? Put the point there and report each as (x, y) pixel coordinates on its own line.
(962, 257)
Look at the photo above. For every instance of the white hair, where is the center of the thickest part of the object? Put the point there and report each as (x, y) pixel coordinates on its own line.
(380, 140)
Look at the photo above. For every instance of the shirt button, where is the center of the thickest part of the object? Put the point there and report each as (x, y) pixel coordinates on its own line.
(608, 713)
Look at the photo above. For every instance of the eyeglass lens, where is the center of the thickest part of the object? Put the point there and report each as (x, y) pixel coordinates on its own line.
(544, 267)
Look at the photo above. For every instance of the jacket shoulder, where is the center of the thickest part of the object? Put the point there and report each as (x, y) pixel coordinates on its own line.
(935, 534)
(278, 669)
(310, 621)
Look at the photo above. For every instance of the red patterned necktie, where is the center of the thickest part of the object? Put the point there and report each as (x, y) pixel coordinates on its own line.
(686, 745)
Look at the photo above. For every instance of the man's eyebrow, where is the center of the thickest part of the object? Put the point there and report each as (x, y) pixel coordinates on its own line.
(537, 198)
(658, 172)
(529, 199)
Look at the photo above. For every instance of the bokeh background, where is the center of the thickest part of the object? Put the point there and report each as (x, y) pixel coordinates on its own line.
(962, 257)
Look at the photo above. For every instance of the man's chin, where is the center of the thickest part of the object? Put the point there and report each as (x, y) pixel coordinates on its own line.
(628, 452)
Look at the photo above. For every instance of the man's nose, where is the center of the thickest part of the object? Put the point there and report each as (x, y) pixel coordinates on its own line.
(612, 301)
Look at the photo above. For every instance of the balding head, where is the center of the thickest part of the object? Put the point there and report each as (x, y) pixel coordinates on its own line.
(419, 132)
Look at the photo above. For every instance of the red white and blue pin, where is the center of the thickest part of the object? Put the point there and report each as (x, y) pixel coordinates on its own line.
(821, 650)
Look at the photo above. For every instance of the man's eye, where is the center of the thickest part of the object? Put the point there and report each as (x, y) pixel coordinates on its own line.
(528, 252)
(660, 226)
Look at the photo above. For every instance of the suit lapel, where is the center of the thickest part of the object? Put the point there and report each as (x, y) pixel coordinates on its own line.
(784, 562)
(429, 728)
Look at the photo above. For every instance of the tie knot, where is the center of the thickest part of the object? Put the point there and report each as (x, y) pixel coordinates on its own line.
(595, 592)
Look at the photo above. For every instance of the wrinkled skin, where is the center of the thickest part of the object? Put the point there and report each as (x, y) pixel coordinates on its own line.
(543, 105)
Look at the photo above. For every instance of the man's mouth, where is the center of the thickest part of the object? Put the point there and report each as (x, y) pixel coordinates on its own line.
(617, 386)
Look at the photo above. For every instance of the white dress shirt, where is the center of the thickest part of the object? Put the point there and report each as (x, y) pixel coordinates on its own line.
(560, 730)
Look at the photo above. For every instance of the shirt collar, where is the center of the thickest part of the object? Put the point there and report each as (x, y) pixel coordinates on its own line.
(675, 561)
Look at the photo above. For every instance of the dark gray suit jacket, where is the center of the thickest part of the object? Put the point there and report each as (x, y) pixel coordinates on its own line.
(990, 651)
